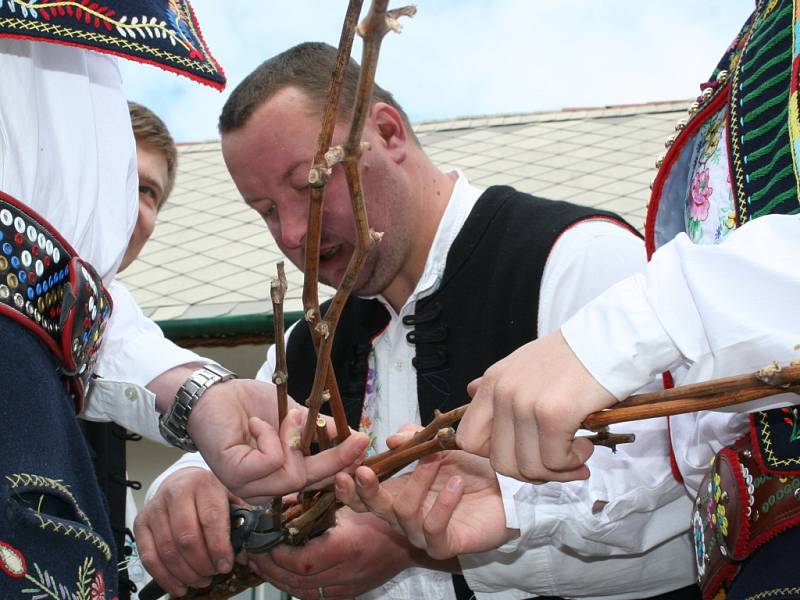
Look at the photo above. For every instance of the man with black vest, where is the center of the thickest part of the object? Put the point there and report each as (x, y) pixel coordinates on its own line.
(461, 278)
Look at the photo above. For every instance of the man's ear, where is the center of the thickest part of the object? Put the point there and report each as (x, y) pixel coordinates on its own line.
(390, 128)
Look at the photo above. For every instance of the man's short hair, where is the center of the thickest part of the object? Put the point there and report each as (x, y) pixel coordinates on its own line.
(151, 131)
(308, 67)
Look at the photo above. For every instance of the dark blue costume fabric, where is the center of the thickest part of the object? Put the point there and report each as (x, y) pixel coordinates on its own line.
(55, 537)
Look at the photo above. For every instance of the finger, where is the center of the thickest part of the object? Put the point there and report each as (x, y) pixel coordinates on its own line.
(345, 489)
(503, 444)
(405, 433)
(309, 560)
(560, 452)
(321, 468)
(267, 568)
(474, 430)
(409, 503)
(436, 525)
(375, 497)
(185, 552)
(244, 464)
(213, 515)
(332, 592)
(282, 462)
(148, 553)
(472, 386)
(167, 557)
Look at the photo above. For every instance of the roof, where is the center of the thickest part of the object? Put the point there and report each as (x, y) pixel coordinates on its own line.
(206, 271)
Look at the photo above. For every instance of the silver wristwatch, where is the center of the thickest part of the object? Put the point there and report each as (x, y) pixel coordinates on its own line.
(172, 424)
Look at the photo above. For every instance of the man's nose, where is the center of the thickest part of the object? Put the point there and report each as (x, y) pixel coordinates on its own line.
(293, 229)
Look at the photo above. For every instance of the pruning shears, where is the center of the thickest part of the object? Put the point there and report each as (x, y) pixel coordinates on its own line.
(254, 530)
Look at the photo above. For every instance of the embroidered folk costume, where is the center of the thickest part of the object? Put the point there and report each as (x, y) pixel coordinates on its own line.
(733, 163)
(68, 203)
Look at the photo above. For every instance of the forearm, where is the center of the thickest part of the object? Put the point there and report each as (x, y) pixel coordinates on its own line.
(698, 305)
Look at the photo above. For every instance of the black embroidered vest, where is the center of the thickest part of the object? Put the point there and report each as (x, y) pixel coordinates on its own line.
(485, 307)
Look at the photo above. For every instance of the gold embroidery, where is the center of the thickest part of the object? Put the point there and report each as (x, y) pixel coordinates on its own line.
(769, 454)
(91, 36)
(777, 592)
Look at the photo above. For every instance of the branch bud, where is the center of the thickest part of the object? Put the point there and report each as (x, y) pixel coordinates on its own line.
(322, 329)
(334, 156)
(318, 175)
(392, 17)
(375, 236)
(279, 378)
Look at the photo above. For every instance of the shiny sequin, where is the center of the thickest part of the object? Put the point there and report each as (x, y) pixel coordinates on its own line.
(31, 233)
(5, 217)
(12, 281)
(26, 258)
(19, 224)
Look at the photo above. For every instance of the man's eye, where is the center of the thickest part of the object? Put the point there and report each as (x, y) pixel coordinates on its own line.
(149, 194)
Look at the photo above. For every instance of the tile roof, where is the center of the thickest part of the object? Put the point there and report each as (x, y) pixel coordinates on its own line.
(211, 256)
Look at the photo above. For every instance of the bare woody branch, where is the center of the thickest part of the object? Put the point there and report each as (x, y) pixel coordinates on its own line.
(277, 292)
(375, 26)
(317, 178)
(708, 395)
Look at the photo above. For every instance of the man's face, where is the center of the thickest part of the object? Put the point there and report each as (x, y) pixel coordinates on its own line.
(269, 159)
(152, 167)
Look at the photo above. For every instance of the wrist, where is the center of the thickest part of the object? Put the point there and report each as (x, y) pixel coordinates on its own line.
(173, 424)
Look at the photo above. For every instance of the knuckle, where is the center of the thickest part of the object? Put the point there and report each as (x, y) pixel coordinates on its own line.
(188, 541)
(504, 390)
(149, 558)
(169, 551)
(211, 516)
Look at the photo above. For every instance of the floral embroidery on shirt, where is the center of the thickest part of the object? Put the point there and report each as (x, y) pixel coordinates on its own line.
(710, 214)
(701, 190)
(370, 415)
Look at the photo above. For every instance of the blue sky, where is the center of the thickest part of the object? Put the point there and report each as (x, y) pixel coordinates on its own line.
(469, 57)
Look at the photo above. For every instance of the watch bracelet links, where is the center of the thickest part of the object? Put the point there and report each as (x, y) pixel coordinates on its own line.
(173, 423)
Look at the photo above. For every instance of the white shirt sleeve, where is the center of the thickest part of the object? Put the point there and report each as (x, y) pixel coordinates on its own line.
(716, 310)
(631, 504)
(704, 312)
(133, 353)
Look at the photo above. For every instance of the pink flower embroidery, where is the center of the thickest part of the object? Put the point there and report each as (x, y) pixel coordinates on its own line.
(98, 591)
(701, 191)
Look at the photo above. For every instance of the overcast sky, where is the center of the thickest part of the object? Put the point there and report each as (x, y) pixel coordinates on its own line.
(469, 57)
